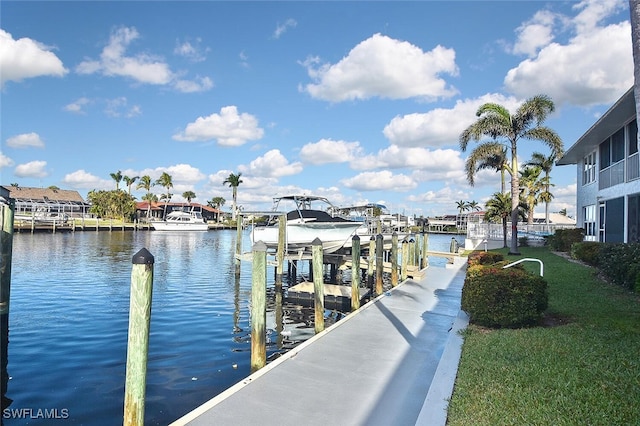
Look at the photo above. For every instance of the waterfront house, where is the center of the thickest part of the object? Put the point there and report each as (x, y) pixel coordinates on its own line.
(608, 175)
(47, 201)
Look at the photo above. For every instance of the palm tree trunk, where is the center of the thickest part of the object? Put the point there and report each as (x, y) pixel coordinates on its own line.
(504, 232)
(634, 6)
(515, 199)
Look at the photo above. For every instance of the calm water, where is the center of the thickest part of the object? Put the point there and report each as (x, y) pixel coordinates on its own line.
(69, 318)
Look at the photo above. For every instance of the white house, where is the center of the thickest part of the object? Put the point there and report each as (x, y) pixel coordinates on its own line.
(608, 175)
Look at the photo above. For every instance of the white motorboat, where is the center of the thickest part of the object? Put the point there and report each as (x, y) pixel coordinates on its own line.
(305, 223)
(182, 220)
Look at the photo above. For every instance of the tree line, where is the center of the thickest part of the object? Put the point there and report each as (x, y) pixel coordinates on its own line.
(120, 204)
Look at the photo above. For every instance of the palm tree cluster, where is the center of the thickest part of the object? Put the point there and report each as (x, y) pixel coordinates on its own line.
(166, 181)
(498, 132)
(465, 206)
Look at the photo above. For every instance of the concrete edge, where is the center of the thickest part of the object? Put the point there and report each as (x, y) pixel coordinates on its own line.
(206, 406)
(434, 409)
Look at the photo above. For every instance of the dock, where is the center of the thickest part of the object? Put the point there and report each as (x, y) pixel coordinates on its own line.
(394, 361)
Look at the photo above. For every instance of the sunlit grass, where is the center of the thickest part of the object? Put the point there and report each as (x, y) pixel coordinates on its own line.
(585, 369)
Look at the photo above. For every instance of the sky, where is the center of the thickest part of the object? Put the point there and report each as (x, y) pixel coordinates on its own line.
(358, 101)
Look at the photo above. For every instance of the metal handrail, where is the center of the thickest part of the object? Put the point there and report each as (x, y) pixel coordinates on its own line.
(524, 260)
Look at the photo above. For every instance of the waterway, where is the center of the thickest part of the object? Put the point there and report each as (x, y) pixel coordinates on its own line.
(69, 317)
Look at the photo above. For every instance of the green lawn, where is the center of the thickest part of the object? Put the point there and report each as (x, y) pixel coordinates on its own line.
(582, 370)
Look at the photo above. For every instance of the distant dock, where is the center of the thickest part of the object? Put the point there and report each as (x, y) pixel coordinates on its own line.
(26, 226)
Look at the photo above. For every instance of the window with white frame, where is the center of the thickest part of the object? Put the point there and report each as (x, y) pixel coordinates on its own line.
(590, 229)
(589, 169)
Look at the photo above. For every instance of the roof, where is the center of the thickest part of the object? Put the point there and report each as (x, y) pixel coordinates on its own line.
(621, 112)
(44, 194)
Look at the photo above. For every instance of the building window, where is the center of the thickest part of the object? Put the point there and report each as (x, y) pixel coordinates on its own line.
(633, 219)
(589, 170)
(590, 229)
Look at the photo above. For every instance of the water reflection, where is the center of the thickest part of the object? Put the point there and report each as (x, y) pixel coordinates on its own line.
(4, 352)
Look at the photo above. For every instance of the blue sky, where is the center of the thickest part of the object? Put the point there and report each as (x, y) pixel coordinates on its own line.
(356, 101)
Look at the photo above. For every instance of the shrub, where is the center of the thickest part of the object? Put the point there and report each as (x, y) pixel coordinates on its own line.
(620, 263)
(484, 258)
(510, 298)
(587, 252)
(562, 239)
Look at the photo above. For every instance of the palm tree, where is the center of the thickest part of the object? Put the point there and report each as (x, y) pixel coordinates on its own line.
(146, 183)
(462, 206)
(165, 181)
(117, 176)
(491, 155)
(634, 6)
(499, 209)
(233, 181)
(473, 206)
(129, 181)
(496, 122)
(546, 163)
(532, 187)
(216, 203)
(189, 195)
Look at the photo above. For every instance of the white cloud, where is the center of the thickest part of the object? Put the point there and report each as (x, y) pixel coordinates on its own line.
(443, 199)
(327, 151)
(229, 128)
(192, 51)
(81, 179)
(35, 169)
(199, 84)
(594, 67)
(272, 164)
(26, 58)
(283, 28)
(142, 67)
(118, 107)
(5, 161)
(380, 181)
(384, 67)
(25, 140)
(440, 126)
(534, 34)
(78, 106)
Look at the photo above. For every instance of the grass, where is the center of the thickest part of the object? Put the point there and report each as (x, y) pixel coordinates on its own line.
(582, 369)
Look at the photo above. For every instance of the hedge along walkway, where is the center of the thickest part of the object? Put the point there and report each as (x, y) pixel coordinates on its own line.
(582, 367)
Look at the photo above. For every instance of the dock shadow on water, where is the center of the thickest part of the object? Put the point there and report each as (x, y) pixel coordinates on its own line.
(68, 322)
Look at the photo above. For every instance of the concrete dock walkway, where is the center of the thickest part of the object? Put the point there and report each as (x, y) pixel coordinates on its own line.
(392, 362)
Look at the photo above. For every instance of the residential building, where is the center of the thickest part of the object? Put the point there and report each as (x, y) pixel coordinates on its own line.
(608, 175)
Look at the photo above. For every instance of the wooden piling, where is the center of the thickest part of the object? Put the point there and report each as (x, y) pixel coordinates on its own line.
(394, 259)
(318, 284)
(355, 273)
(282, 238)
(372, 253)
(258, 306)
(239, 236)
(425, 249)
(138, 340)
(6, 250)
(405, 260)
(379, 263)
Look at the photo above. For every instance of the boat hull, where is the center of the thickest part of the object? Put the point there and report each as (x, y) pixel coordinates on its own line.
(164, 226)
(333, 235)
